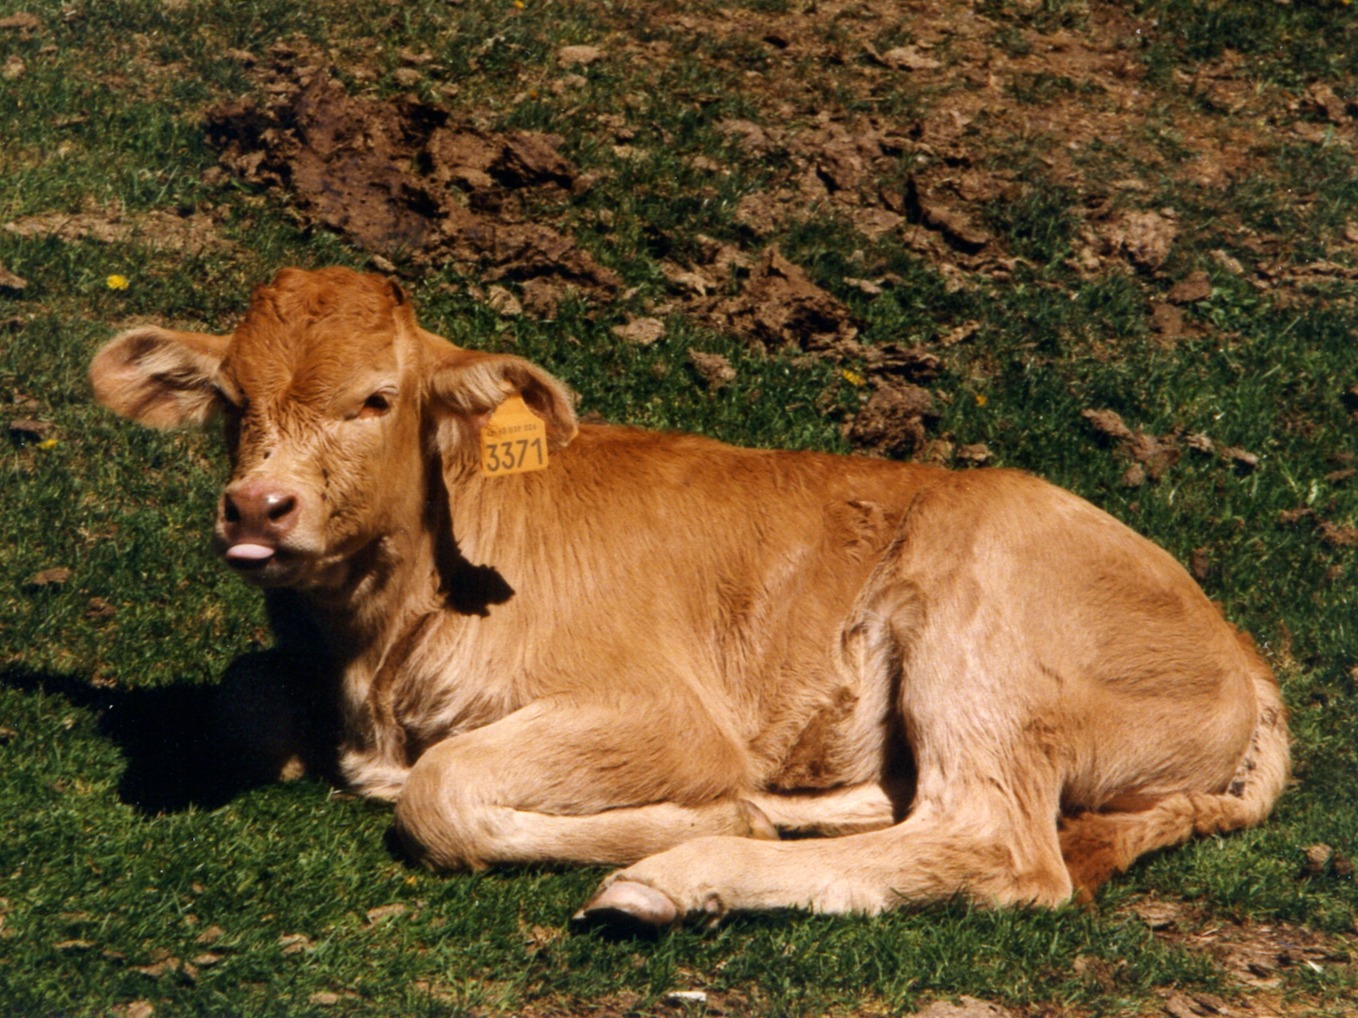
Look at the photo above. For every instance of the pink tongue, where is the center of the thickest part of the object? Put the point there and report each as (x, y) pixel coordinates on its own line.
(249, 552)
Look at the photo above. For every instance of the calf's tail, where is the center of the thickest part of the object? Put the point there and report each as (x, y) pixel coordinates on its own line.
(1096, 846)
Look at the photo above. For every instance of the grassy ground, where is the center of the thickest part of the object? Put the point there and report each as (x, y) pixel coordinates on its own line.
(1055, 171)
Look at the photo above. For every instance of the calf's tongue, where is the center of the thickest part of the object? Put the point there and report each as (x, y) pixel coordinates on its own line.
(245, 552)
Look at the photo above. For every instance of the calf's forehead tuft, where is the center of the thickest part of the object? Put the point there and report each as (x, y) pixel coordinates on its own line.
(321, 320)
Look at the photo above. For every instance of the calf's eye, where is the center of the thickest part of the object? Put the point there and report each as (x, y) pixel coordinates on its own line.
(374, 406)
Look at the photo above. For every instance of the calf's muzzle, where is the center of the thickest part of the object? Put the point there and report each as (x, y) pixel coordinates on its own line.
(255, 518)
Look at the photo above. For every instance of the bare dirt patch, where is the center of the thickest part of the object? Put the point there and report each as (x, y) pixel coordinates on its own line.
(189, 233)
(403, 180)
(1257, 960)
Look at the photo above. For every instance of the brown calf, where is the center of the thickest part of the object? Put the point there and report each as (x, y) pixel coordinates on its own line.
(664, 649)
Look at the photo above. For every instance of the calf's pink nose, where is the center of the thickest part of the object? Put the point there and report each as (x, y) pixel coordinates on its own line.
(259, 512)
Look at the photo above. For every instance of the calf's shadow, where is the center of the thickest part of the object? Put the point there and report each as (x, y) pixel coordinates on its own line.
(170, 736)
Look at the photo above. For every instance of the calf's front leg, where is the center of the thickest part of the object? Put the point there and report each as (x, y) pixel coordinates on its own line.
(562, 781)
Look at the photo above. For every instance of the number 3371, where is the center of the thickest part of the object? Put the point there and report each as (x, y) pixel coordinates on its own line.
(513, 456)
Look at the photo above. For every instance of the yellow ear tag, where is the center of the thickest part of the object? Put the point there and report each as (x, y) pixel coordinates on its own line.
(514, 440)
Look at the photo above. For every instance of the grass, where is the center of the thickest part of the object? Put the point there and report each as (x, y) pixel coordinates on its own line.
(197, 909)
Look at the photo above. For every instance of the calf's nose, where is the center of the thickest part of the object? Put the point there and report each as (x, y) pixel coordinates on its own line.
(256, 517)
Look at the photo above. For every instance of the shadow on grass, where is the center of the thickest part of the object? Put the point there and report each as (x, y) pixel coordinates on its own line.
(170, 736)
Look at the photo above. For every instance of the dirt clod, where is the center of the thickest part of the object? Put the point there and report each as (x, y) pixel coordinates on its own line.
(713, 368)
(1144, 238)
(10, 282)
(1150, 456)
(1195, 286)
(45, 578)
(965, 1007)
(20, 22)
(780, 307)
(640, 331)
(1317, 860)
(578, 56)
(402, 180)
(893, 420)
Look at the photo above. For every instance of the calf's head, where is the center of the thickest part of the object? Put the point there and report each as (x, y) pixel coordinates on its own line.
(340, 411)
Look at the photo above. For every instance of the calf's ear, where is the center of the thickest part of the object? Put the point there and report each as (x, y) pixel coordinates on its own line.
(469, 385)
(158, 377)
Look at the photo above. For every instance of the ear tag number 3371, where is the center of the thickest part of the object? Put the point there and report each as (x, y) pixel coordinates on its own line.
(514, 440)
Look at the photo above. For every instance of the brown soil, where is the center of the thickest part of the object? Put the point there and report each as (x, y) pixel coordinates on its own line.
(415, 182)
(399, 179)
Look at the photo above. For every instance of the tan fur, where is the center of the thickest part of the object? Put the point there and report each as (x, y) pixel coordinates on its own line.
(661, 645)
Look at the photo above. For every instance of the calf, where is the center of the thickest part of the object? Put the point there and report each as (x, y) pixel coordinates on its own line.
(663, 651)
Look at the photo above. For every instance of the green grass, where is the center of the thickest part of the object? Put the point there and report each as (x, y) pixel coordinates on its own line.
(103, 904)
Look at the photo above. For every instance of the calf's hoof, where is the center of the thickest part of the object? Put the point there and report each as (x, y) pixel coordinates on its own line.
(627, 908)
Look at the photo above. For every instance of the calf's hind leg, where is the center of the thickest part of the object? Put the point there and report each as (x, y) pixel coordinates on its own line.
(573, 783)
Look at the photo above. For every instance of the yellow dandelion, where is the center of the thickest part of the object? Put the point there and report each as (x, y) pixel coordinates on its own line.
(116, 282)
(518, 4)
(853, 378)
(48, 443)
(981, 399)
